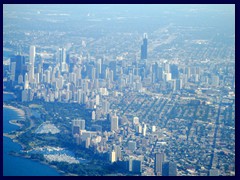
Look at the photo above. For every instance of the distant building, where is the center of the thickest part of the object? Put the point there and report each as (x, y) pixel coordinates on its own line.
(62, 59)
(169, 169)
(114, 122)
(32, 55)
(144, 47)
(17, 67)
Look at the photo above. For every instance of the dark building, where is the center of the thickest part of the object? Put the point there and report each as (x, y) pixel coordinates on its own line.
(169, 169)
(137, 166)
(144, 47)
(20, 66)
(174, 71)
(113, 67)
(159, 159)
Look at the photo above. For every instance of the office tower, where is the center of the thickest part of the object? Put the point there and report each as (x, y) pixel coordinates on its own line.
(159, 159)
(169, 169)
(144, 129)
(113, 67)
(13, 71)
(114, 123)
(118, 152)
(97, 99)
(112, 156)
(132, 145)
(167, 77)
(62, 59)
(93, 115)
(135, 120)
(144, 47)
(77, 125)
(17, 67)
(32, 55)
(166, 67)
(160, 74)
(106, 106)
(25, 95)
(179, 84)
(130, 163)
(174, 71)
(87, 142)
(26, 82)
(153, 128)
(99, 68)
(136, 166)
(139, 128)
(20, 79)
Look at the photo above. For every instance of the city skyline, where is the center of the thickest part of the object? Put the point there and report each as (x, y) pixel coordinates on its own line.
(126, 93)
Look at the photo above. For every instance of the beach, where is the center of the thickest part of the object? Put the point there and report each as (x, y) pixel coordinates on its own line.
(19, 111)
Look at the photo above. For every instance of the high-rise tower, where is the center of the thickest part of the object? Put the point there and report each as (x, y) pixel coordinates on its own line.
(159, 159)
(144, 47)
(62, 59)
(31, 62)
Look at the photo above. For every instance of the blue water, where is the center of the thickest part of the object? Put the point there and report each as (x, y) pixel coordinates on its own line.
(18, 166)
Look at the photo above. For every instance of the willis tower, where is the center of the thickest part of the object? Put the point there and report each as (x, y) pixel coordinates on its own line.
(144, 47)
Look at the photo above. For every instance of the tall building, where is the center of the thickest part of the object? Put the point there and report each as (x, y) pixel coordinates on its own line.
(32, 55)
(144, 47)
(169, 169)
(112, 157)
(159, 159)
(118, 152)
(136, 166)
(114, 123)
(62, 59)
(17, 67)
(77, 125)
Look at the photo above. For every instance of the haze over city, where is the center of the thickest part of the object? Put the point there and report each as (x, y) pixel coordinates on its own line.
(125, 89)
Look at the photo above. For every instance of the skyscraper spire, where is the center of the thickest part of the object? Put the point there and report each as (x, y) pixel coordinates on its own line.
(144, 47)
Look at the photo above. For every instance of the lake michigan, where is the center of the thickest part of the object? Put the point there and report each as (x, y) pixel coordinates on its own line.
(18, 166)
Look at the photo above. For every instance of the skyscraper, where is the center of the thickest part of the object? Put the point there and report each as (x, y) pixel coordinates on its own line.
(169, 169)
(144, 47)
(114, 123)
(32, 55)
(17, 67)
(159, 159)
(112, 156)
(77, 125)
(137, 166)
(62, 59)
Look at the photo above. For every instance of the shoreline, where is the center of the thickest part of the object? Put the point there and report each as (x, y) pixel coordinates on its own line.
(20, 112)
(14, 122)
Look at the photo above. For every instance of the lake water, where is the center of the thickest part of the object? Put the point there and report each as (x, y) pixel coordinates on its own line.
(18, 166)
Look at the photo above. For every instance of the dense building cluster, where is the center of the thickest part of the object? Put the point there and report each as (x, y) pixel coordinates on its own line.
(169, 102)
